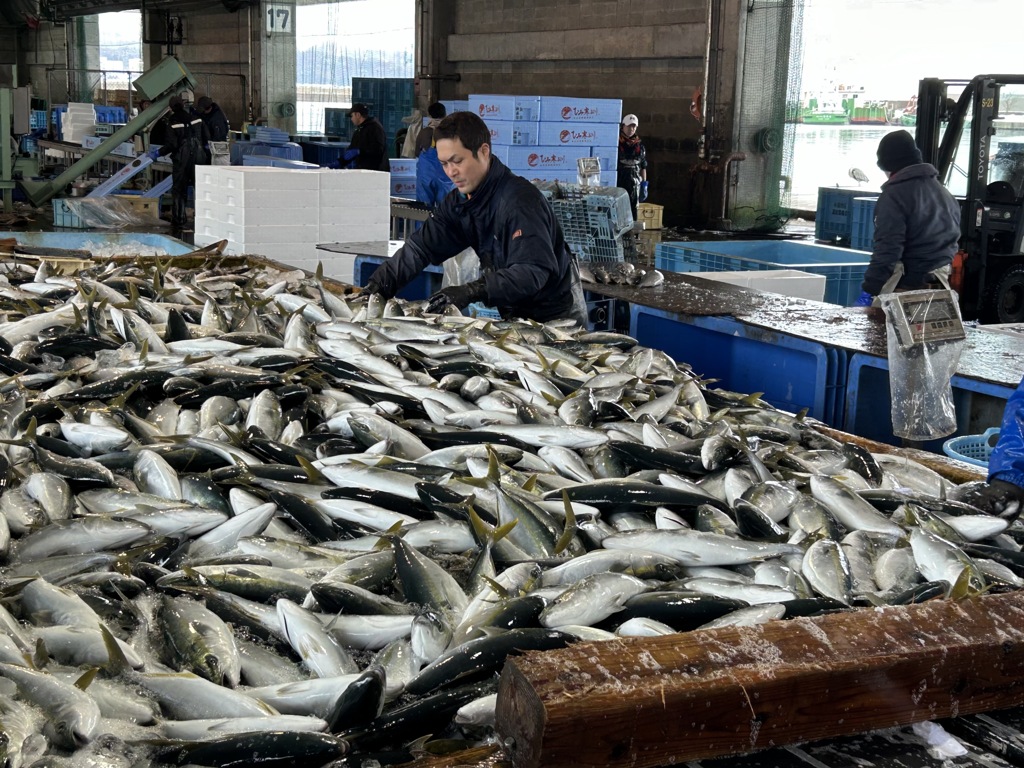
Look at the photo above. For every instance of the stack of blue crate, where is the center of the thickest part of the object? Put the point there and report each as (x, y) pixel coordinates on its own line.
(543, 137)
(389, 99)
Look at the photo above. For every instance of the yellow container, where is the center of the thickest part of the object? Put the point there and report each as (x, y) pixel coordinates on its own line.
(650, 214)
(145, 207)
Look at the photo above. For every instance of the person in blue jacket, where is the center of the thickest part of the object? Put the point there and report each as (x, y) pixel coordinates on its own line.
(527, 270)
(1004, 492)
(917, 224)
(432, 183)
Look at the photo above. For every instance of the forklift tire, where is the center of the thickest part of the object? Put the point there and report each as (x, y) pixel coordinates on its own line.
(1006, 297)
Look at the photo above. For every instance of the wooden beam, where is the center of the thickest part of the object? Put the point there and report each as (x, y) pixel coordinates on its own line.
(659, 701)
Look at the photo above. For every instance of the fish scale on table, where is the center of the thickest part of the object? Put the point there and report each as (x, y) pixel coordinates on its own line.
(249, 498)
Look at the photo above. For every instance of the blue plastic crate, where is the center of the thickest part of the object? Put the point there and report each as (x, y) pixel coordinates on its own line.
(63, 216)
(842, 268)
(974, 449)
(833, 221)
(862, 223)
(29, 144)
(37, 119)
(105, 114)
(323, 153)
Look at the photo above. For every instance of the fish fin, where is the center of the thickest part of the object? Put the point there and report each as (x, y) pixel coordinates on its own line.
(501, 591)
(85, 680)
(531, 483)
(40, 657)
(117, 663)
(319, 274)
(388, 536)
(144, 350)
(314, 474)
(570, 525)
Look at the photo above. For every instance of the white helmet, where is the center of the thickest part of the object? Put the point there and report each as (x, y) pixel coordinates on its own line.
(631, 120)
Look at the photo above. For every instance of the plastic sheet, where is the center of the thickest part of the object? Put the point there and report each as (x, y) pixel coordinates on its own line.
(919, 380)
(462, 268)
(110, 213)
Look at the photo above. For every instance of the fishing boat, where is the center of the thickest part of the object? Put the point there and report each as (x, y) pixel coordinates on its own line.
(906, 116)
(824, 113)
(867, 112)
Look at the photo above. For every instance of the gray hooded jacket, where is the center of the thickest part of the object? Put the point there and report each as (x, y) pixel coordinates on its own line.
(917, 221)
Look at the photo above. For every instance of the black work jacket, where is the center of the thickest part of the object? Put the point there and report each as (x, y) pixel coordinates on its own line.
(917, 221)
(525, 262)
(187, 139)
(371, 142)
(216, 123)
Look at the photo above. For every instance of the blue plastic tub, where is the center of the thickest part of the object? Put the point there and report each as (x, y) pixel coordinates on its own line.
(974, 449)
(842, 268)
(862, 217)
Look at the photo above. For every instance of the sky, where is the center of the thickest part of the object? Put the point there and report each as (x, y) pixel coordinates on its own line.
(887, 46)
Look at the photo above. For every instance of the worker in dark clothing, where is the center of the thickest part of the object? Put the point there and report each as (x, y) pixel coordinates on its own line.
(159, 129)
(213, 117)
(917, 224)
(186, 144)
(1003, 495)
(632, 165)
(368, 148)
(425, 140)
(527, 270)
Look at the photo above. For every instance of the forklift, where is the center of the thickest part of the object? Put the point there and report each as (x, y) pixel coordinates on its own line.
(972, 131)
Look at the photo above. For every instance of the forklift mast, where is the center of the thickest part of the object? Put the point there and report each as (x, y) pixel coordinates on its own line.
(979, 155)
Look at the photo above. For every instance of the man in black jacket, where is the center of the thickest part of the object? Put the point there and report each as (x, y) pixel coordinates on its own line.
(527, 270)
(368, 149)
(917, 223)
(214, 118)
(186, 142)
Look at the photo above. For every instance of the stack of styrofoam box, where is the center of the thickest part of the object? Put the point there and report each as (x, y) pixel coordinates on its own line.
(403, 177)
(282, 214)
(554, 131)
(79, 121)
(125, 148)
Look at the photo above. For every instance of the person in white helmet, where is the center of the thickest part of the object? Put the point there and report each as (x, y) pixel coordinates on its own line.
(632, 165)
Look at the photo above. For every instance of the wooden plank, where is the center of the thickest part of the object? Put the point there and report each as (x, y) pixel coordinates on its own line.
(658, 701)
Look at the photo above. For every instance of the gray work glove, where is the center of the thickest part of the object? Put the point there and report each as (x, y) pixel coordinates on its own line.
(996, 498)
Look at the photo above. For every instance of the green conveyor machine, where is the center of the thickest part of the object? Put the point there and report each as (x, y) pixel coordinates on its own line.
(159, 84)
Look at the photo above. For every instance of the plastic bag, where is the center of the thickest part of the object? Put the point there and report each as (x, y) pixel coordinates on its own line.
(114, 212)
(461, 268)
(919, 379)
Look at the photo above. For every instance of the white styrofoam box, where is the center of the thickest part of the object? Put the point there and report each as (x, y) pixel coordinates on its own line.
(493, 106)
(247, 215)
(363, 181)
(354, 232)
(253, 235)
(563, 108)
(330, 213)
(283, 180)
(545, 158)
(571, 134)
(609, 157)
(514, 132)
(403, 166)
(528, 108)
(403, 186)
(268, 201)
(788, 282)
(456, 105)
(500, 151)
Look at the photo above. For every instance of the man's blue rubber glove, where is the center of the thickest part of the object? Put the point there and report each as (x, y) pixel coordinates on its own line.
(153, 153)
(348, 159)
(864, 300)
(643, 191)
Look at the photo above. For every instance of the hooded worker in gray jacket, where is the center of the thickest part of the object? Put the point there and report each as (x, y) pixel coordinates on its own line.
(917, 223)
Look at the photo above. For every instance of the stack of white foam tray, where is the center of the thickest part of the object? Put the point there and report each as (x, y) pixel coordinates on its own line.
(282, 213)
(77, 122)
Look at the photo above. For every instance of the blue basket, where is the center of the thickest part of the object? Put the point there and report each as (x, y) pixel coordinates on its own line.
(862, 215)
(832, 220)
(974, 449)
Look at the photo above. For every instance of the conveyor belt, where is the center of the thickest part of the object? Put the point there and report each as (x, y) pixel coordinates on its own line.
(987, 356)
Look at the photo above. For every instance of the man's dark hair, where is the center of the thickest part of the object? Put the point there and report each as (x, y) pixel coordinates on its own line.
(437, 110)
(204, 103)
(176, 102)
(362, 109)
(467, 128)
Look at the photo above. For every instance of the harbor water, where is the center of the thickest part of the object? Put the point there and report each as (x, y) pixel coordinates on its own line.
(824, 154)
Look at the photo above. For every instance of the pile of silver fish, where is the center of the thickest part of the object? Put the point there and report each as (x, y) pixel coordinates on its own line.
(247, 520)
(620, 273)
